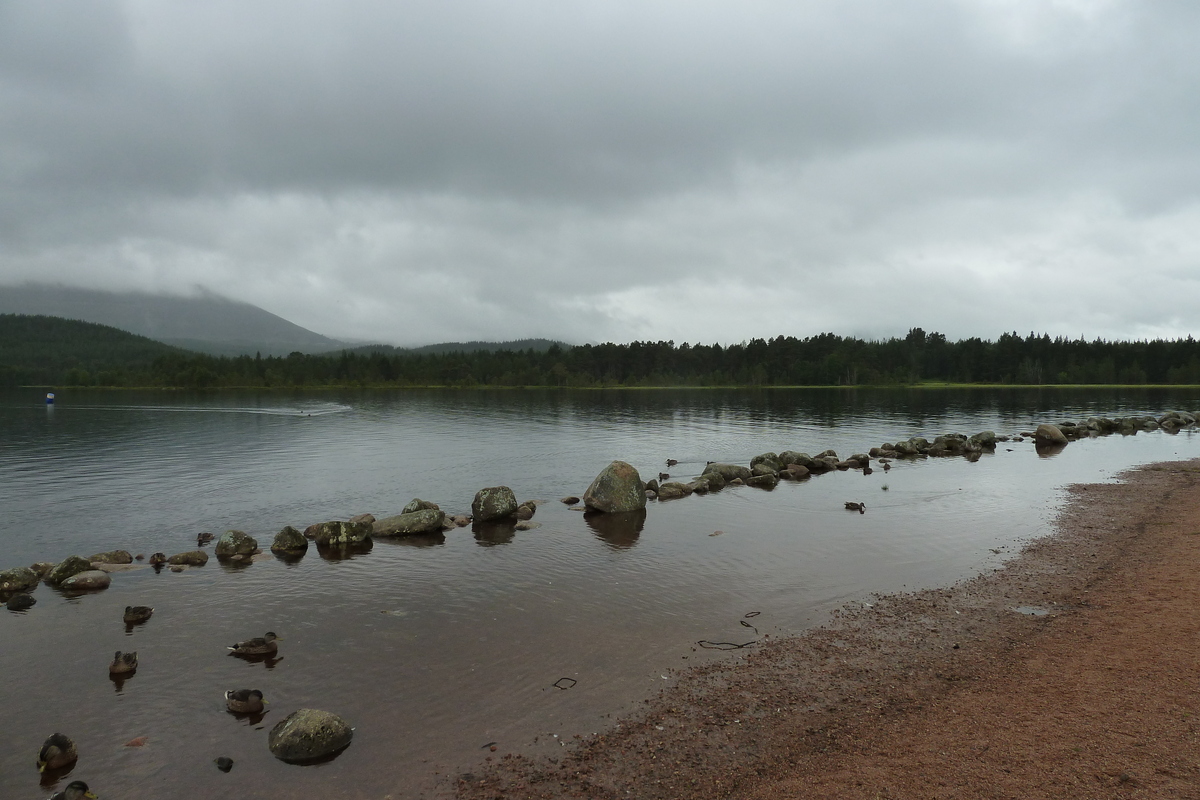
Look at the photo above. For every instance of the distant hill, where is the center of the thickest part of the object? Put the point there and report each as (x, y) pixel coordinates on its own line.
(536, 345)
(207, 323)
(51, 350)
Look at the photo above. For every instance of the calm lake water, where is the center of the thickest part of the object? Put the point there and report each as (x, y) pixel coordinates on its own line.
(434, 648)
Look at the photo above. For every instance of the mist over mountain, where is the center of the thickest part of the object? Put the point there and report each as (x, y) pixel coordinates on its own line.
(207, 322)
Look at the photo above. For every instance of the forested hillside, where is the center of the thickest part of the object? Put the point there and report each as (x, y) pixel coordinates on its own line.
(41, 350)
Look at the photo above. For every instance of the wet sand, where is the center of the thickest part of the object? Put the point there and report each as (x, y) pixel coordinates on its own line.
(1071, 672)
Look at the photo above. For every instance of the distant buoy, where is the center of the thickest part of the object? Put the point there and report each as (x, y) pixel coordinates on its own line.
(49, 398)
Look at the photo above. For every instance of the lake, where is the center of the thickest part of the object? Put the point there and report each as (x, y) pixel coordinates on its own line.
(435, 648)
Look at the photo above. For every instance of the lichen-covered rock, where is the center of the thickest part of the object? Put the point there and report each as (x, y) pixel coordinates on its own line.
(235, 543)
(289, 540)
(192, 558)
(73, 565)
(18, 579)
(410, 523)
(417, 504)
(793, 457)
(763, 481)
(308, 734)
(729, 472)
(112, 557)
(769, 459)
(764, 468)
(617, 489)
(494, 503)
(88, 579)
(1048, 435)
(337, 533)
(716, 481)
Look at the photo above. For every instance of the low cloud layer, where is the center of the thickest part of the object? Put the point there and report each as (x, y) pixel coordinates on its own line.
(422, 172)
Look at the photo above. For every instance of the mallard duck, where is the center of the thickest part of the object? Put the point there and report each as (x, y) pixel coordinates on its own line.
(244, 701)
(158, 558)
(123, 663)
(76, 790)
(859, 507)
(57, 752)
(261, 646)
(136, 614)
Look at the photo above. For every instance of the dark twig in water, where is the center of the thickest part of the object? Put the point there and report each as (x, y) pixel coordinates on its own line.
(558, 683)
(707, 645)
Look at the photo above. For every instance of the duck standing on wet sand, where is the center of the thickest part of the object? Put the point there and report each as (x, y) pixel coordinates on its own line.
(244, 701)
(859, 507)
(136, 614)
(57, 752)
(123, 663)
(75, 790)
(261, 646)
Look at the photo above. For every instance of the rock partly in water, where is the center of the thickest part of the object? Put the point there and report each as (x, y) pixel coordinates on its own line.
(410, 523)
(88, 579)
(235, 543)
(494, 503)
(672, 490)
(18, 579)
(336, 533)
(763, 481)
(73, 565)
(192, 558)
(617, 489)
(289, 540)
(1048, 435)
(417, 504)
(20, 602)
(308, 734)
(729, 472)
(112, 557)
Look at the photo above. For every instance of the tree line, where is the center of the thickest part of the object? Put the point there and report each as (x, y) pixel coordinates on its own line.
(85, 357)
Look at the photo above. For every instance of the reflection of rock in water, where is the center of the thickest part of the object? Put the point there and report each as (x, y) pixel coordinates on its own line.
(334, 552)
(619, 531)
(416, 540)
(488, 534)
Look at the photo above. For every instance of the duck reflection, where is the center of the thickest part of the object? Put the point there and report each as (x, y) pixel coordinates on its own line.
(619, 531)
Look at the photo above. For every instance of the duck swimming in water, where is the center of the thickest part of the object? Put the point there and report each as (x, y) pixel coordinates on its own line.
(244, 701)
(859, 507)
(57, 751)
(260, 646)
(123, 663)
(136, 614)
(75, 790)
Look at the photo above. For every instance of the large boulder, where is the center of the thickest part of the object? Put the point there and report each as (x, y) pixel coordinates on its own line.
(770, 459)
(308, 734)
(289, 540)
(417, 504)
(338, 533)
(18, 579)
(88, 579)
(618, 488)
(235, 543)
(728, 471)
(72, 565)
(410, 523)
(1048, 435)
(494, 503)
(112, 557)
(192, 558)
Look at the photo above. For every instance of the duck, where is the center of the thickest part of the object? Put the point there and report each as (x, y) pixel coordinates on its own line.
(261, 646)
(244, 701)
(671, 462)
(859, 507)
(203, 539)
(75, 790)
(662, 476)
(123, 663)
(136, 614)
(158, 558)
(57, 751)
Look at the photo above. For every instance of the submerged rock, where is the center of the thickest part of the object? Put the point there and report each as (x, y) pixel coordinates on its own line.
(289, 540)
(88, 579)
(494, 503)
(235, 543)
(192, 558)
(308, 734)
(410, 523)
(73, 565)
(617, 489)
(18, 579)
(112, 557)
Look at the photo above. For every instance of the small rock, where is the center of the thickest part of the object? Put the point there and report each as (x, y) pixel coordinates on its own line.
(88, 579)
(308, 734)
(224, 763)
(112, 557)
(192, 558)
(20, 602)
(494, 503)
(569, 500)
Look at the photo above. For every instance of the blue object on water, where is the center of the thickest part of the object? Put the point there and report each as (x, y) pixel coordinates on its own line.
(49, 398)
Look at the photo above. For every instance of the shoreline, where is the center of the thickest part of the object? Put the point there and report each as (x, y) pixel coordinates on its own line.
(945, 692)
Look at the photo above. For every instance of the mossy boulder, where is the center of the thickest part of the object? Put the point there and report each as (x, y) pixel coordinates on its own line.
(728, 471)
(770, 459)
(672, 490)
(72, 565)
(89, 579)
(112, 557)
(417, 504)
(337, 533)
(763, 481)
(235, 543)
(494, 503)
(289, 540)
(18, 579)
(192, 558)
(617, 489)
(410, 523)
(308, 734)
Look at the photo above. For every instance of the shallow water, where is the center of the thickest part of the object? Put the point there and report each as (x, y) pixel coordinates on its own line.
(434, 648)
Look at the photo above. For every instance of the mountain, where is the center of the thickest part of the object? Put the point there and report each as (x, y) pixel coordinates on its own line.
(536, 345)
(207, 323)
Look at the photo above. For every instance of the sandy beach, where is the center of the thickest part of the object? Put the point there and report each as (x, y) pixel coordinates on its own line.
(1069, 673)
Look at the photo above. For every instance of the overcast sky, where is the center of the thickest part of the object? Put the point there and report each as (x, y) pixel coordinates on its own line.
(413, 172)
